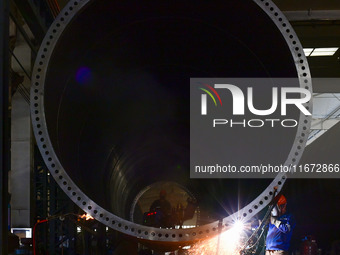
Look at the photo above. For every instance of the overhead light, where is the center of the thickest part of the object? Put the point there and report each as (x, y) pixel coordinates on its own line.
(308, 51)
(317, 52)
(324, 52)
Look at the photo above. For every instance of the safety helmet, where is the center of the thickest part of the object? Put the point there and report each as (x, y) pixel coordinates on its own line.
(282, 200)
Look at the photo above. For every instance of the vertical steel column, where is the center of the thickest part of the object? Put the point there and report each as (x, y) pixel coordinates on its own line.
(53, 224)
(4, 125)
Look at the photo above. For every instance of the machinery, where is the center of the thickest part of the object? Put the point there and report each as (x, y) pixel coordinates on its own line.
(110, 101)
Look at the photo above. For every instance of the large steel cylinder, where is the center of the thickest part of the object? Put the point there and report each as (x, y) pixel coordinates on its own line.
(110, 99)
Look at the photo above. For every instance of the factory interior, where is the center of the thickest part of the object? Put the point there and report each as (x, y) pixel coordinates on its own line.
(95, 133)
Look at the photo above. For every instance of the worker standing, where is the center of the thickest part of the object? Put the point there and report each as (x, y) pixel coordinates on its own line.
(280, 229)
(162, 209)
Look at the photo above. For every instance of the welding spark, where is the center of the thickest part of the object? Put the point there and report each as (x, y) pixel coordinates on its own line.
(226, 243)
(86, 217)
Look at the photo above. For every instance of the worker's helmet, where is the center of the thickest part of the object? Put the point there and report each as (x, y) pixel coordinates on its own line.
(282, 200)
(162, 193)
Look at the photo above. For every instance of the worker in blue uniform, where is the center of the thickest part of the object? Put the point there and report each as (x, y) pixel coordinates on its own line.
(280, 229)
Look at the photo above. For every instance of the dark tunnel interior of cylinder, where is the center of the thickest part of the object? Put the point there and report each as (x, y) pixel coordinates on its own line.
(117, 98)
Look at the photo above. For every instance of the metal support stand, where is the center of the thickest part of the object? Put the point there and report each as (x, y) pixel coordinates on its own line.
(40, 198)
(58, 236)
(62, 232)
(5, 124)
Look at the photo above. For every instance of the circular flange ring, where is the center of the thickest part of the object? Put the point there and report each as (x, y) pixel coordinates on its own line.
(127, 227)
